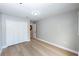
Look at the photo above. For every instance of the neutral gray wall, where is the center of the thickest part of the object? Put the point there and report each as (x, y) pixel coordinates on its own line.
(60, 29)
(78, 31)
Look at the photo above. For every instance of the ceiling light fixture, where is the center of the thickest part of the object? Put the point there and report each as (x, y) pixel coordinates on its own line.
(20, 3)
(35, 13)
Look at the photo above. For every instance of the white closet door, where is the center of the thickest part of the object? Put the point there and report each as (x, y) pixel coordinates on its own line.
(16, 32)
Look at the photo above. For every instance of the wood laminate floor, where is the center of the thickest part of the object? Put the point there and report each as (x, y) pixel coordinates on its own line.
(34, 48)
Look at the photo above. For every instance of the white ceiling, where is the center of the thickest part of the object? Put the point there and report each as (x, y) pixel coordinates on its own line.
(44, 9)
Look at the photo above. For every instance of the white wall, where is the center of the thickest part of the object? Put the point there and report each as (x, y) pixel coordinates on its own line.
(15, 30)
(60, 29)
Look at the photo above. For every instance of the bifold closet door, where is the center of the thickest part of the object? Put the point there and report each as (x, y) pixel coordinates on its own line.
(16, 32)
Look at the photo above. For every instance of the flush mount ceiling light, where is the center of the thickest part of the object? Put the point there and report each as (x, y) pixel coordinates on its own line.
(20, 3)
(35, 13)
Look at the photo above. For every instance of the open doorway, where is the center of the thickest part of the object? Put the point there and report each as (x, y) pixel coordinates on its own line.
(32, 30)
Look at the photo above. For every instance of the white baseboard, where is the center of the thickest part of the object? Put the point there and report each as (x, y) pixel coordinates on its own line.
(4, 46)
(58, 46)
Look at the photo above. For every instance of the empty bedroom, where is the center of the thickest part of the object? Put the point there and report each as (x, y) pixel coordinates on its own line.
(39, 29)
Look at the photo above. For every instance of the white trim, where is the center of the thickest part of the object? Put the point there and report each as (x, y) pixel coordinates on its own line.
(58, 46)
(4, 46)
(78, 53)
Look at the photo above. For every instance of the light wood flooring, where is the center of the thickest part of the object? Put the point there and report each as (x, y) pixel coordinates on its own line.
(35, 48)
